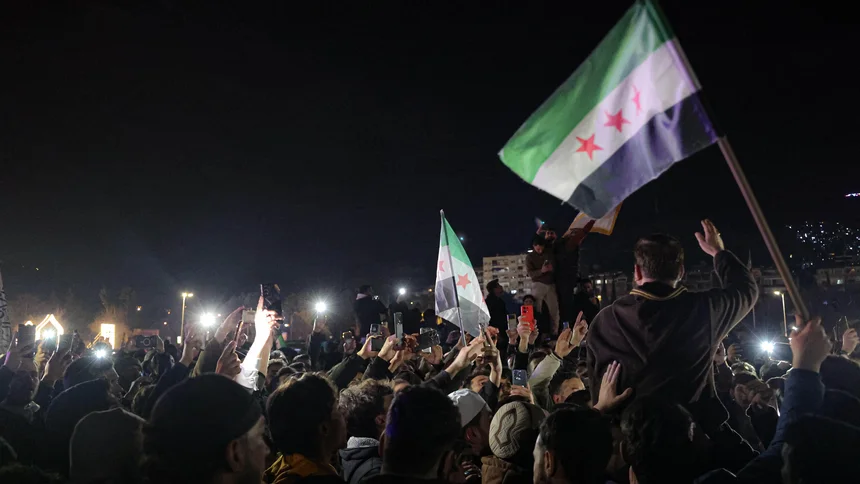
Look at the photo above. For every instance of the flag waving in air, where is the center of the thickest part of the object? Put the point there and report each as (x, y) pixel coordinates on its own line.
(627, 114)
(458, 295)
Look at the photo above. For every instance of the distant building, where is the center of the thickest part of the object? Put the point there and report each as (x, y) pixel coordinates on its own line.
(479, 272)
(609, 286)
(838, 276)
(510, 270)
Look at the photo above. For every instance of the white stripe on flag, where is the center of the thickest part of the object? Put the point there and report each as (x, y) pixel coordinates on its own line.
(662, 84)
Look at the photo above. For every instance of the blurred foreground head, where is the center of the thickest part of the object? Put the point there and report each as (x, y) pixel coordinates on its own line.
(205, 429)
(422, 426)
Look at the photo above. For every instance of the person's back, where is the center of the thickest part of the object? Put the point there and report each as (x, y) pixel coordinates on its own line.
(664, 336)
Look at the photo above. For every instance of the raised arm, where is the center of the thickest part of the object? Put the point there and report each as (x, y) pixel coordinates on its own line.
(258, 355)
(739, 291)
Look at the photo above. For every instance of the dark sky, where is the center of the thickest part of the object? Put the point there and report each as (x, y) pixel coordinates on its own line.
(219, 145)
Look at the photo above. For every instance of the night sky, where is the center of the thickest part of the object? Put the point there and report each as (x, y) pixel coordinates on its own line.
(221, 145)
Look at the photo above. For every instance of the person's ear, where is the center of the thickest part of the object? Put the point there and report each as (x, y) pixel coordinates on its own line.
(235, 455)
(380, 420)
(548, 463)
(325, 428)
(472, 435)
(557, 399)
(637, 274)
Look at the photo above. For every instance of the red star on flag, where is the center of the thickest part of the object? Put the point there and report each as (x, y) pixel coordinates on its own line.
(616, 120)
(636, 100)
(463, 280)
(588, 146)
(441, 267)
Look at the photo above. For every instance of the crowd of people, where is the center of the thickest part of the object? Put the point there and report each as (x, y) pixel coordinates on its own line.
(655, 388)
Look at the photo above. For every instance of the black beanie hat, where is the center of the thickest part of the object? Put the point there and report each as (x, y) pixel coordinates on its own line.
(195, 421)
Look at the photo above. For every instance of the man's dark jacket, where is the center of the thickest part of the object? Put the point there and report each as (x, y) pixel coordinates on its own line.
(665, 337)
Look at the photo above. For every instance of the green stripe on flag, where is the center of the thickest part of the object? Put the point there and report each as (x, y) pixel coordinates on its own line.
(639, 33)
(453, 243)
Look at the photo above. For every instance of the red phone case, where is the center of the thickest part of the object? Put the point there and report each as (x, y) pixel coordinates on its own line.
(528, 315)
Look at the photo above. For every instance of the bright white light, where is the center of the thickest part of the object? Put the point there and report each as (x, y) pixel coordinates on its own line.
(767, 346)
(513, 291)
(101, 353)
(48, 334)
(776, 293)
(207, 320)
(320, 307)
(794, 328)
(401, 291)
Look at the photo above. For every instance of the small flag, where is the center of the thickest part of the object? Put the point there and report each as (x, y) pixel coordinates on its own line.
(629, 112)
(457, 291)
(603, 225)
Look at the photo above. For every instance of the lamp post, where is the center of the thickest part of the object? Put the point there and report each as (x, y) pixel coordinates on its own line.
(784, 319)
(185, 295)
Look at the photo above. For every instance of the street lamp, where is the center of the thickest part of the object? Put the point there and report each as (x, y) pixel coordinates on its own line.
(784, 319)
(401, 291)
(185, 295)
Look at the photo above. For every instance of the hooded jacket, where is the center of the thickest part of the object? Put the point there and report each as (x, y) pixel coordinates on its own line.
(360, 460)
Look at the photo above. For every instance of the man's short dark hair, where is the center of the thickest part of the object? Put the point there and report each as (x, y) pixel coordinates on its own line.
(423, 423)
(407, 377)
(742, 378)
(361, 404)
(581, 442)
(661, 257)
(529, 296)
(558, 380)
(539, 239)
(479, 371)
(296, 410)
(492, 285)
(657, 441)
(363, 289)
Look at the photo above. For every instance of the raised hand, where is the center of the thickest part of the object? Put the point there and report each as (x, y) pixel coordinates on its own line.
(735, 354)
(609, 398)
(580, 329)
(366, 352)
(435, 355)
(710, 242)
(56, 366)
(809, 344)
(264, 320)
(387, 351)
(230, 323)
(519, 391)
(228, 364)
(850, 340)
(563, 345)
